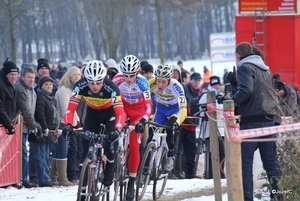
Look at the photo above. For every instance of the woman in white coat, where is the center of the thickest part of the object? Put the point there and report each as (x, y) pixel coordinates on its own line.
(214, 85)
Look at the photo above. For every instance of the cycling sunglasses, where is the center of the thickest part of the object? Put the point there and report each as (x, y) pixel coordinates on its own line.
(132, 75)
(95, 83)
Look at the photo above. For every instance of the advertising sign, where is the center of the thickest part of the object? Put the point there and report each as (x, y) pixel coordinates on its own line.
(268, 5)
(222, 55)
(219, 40)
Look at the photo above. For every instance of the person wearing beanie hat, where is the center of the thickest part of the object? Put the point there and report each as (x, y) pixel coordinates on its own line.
(147, 71)
(43, 80)
(42, 62)
(47, 115)
(287, 97)
(43, 70)
(214, 80)
(142, 63)
(112, 68)
(8, 102)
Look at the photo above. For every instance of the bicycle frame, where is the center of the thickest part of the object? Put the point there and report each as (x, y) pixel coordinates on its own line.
(151, 167)
(93, 168)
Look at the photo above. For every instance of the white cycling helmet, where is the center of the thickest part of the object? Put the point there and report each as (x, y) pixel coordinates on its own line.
(130, 64)
(164, 71)
(95, 71)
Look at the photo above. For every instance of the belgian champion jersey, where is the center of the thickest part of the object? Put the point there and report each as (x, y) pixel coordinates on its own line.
(107, 97)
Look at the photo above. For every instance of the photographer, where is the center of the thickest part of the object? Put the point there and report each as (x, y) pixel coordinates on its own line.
(214, 85)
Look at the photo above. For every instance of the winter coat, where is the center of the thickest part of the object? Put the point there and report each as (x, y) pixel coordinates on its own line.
(26, 102)
(46, 114)
(63, 96)
(192, 97)
(8, 101)
(288, 102)
(255, 96)
(36, 88)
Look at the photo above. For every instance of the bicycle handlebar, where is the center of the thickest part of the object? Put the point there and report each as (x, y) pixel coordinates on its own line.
(159, 125)
(93, 135)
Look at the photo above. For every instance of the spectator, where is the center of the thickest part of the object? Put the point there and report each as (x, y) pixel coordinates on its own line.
(177, 73)
(214, 85)
(225, 81)
(143, 63)
(79, 64)
(8, 103)
(192, 70)
(147, 71)
(54, 71)
(26, 101)
(43, 70)
(188, 133)
(180, 64)
(257, 102)
(287, 98)
(59, 155)
(185, 76)
(206, 76)
(47, 115)
(112, 68)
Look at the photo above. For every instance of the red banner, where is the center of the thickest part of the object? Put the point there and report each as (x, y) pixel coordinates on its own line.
(268, 5)
(10, 157)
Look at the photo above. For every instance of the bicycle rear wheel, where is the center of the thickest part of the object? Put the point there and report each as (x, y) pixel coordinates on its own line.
(84, 187)
(160, 176)
(144, 173)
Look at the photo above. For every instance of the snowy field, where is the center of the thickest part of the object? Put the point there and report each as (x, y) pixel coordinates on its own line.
(174, 187)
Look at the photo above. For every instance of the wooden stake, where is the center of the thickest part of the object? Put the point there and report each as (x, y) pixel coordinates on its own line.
(233, 158)
(214, 144)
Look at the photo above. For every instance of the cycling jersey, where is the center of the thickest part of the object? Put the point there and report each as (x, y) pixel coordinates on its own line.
(108, 97)
(136, 95)
(137, 104)
(171, 98)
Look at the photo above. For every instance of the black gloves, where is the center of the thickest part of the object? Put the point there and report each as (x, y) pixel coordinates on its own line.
(140, 127)
(220, 98)
(67, 130)
(172, 123)
(38, 131)
(10, 130)
(113, 135)
(231, 78)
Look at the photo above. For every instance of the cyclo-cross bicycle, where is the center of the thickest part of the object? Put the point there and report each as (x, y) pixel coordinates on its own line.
(90, 186)
(121, 172)
(152, 164)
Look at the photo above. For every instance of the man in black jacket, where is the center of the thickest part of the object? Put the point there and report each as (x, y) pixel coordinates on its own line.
(257, 106)
(8, 103)
(188, 132)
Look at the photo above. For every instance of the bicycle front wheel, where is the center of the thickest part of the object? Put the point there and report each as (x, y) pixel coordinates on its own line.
(160, 176)
(144, 174)
(84, 187)
(99, 192)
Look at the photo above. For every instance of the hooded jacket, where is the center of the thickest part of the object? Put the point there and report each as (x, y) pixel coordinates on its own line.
(176, 67)
(255, 96)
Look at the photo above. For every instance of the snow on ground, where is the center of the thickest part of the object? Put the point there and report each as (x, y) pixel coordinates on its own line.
(69, 193)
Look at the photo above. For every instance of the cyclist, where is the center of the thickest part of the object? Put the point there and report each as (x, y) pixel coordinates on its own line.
(104, 106)
(171, 106)
(135, 92)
